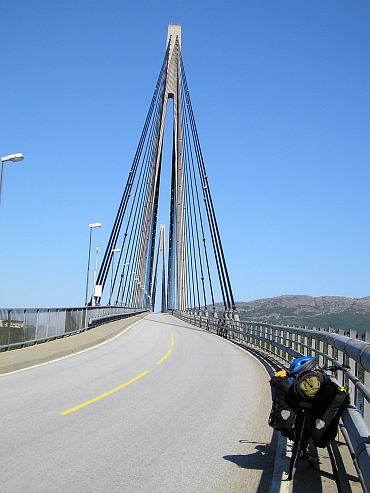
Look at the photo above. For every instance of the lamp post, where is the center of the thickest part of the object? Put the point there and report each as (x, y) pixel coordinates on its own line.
(115, 250)
(150, 301)
(95, 292)
(130, 287)
(11, 157)
(121, 283)
(142, 293)
(91, 226)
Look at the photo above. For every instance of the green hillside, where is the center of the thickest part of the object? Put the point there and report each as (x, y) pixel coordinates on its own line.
(306, 311)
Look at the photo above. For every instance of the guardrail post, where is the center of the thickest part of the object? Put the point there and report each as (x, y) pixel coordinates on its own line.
(366, 405)
(321, 349)
(275, 338)
(273, 347)
(250, 335)
(236, 325)
(279, 340)
(342, 359)
(37, 323)
(256, 332)
(354, 335)
(47, 323)
(333, 349)
(302, 341)
(262, 333)
(84, 317)
(269, 334)
(291, 339)
(295, 341)
(8, 324)
(309, 345)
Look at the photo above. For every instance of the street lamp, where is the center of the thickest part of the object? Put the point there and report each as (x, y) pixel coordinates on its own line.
(150, 300)
(96, 292)
(11, 157)
(91, 226)
(121, 283)
(115, 250)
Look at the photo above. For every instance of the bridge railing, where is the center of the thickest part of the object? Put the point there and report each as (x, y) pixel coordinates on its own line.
(282, 344)
(24, 326)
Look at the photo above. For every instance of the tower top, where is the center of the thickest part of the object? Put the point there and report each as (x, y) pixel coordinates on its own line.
(174, 31)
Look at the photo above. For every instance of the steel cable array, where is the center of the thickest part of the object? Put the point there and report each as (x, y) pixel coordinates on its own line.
(133, 280)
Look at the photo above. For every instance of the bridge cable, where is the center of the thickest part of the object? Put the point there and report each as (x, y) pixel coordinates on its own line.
(222, 268)
(105, 265)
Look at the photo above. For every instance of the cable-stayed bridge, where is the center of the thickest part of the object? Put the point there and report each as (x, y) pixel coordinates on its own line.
(171, 401)
(192, 257)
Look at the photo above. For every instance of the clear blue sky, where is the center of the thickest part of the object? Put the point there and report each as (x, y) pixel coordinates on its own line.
(281, 96)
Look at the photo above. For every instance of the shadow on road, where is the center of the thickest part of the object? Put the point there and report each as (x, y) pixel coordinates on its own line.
(262, 459)
(180, 324)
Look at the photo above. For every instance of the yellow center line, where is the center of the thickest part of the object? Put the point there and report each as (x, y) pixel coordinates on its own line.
(164, 357)
(116, 389)
(171, 334)
(172, 344)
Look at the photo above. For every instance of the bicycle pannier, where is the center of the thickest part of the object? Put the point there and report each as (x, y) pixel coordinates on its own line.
(327, 412)
(281, 416)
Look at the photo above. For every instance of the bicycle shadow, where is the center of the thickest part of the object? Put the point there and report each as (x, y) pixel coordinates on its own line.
(249, 461)
(262, 459)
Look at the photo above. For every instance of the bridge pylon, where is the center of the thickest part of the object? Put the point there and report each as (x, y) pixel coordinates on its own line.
(192, 230)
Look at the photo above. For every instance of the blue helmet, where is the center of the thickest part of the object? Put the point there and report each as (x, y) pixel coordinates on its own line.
(304, 363)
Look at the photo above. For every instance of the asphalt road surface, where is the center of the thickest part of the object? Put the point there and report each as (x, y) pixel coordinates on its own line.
(164, 407)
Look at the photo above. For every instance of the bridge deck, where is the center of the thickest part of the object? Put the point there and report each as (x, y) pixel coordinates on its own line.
(200, 419)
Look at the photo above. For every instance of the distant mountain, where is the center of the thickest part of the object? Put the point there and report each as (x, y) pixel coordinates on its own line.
(324, 311)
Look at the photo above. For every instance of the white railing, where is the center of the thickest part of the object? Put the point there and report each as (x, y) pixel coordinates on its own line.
(23, 326)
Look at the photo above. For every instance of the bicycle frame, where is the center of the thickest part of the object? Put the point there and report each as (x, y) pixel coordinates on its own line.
(301, 429)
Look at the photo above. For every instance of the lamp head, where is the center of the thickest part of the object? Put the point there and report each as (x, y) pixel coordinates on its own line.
(13, 157)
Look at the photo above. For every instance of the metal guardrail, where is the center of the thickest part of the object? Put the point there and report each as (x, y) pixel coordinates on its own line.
(285, 343)
(25, 326)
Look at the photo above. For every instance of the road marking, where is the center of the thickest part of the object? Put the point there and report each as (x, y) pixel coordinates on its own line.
(279, 482)
(73, 354)
(164, 357)
(91, 401)
(171, 334)
(116, 389)
(172, 343)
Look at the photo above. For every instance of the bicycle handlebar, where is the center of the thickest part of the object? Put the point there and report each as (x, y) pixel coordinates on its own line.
(336, 366)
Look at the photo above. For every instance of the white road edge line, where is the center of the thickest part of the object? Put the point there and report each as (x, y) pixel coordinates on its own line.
(279, 483)
(73, 354)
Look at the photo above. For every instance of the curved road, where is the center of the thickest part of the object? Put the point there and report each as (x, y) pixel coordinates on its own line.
(162, 408)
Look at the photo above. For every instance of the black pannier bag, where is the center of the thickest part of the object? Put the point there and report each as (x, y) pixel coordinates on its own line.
(326, 413)
(281, 416)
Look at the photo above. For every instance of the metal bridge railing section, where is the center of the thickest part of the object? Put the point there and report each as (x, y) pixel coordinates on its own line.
(25, 326)
(282, 344)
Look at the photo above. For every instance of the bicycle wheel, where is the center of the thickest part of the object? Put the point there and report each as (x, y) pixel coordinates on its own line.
(297, 445)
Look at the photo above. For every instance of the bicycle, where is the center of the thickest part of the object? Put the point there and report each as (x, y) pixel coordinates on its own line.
(306, 391)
